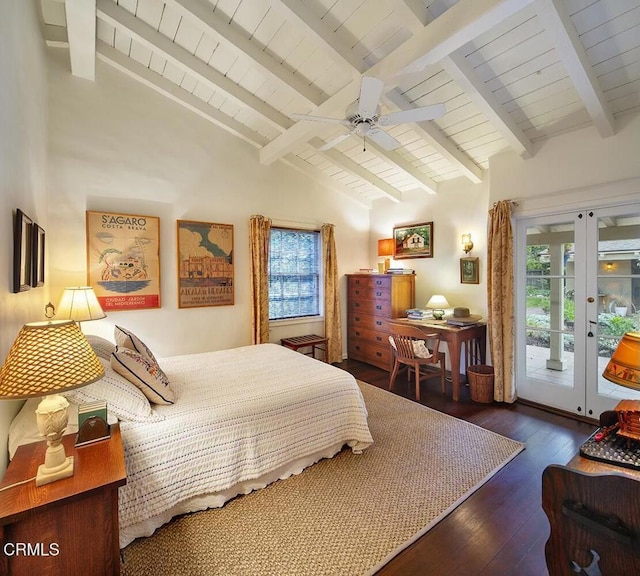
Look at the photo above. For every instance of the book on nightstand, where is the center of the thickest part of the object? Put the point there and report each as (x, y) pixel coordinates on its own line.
(92, 423)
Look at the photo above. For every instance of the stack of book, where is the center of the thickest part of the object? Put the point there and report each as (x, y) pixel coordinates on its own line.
(400, 271)
(418, 314)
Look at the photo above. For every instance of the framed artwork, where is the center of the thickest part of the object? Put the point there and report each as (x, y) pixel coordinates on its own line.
(37, 258)
(123, 260)
(469, 271)
(22, 257)
(413, 241)
(205, 264)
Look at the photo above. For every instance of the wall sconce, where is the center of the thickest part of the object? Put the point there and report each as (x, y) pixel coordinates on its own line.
(467, 244)
(609, 266)
(385, 249)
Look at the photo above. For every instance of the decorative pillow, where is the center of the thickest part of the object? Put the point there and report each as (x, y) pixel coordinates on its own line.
(127, 339)
(419, 348)
(123, 399)
(146, 375)
(101, 346)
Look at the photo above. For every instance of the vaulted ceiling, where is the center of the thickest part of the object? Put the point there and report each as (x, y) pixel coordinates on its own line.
(511, 73)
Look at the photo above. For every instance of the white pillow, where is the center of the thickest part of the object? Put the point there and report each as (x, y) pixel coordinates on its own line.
(124, 400)
(101, 346)
(127, 339)
(419, 348)
(145, 374)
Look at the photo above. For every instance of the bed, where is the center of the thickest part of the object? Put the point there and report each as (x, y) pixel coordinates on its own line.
(237, 420)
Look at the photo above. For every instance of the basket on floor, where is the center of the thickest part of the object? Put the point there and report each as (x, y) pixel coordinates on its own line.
(480, 379)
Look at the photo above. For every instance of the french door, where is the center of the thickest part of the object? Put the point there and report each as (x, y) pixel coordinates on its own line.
(577, 293)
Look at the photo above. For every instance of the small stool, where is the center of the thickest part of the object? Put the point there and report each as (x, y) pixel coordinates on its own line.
(312, 340)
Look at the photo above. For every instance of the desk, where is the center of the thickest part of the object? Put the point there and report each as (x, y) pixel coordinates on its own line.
(474, 338)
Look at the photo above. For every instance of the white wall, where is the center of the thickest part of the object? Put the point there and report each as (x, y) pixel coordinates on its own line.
(116, 145)
(23, 106)
(578, 169)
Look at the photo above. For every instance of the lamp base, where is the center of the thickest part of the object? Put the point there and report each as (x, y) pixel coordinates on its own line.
(47, 475)
(437, 314)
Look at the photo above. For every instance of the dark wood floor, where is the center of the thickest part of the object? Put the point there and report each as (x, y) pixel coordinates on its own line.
(501, 529)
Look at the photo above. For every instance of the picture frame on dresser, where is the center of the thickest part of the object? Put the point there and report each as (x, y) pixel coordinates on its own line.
(413, 241)
(22, 252)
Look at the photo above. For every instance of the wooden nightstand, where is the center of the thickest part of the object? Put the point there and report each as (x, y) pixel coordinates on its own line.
(69, 526)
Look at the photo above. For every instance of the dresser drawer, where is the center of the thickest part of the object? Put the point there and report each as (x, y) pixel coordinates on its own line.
(371, 282)
(375, 354)
(377, 293)
(358, 320)
(380, 337)
(373, 307)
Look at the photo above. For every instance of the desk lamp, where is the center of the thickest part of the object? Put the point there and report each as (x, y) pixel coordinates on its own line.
(46, 358)
(437, 303)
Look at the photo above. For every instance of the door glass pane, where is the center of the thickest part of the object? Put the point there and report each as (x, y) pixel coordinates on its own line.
(550, 308)
(618, 291)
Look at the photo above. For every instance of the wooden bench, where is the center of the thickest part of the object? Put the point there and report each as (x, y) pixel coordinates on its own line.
(308, 340)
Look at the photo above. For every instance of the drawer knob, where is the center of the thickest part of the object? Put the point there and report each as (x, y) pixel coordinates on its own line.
(378, 307)
(378, 322)
(378, 353)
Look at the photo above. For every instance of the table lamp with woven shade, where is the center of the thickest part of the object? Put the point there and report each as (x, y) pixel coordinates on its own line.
(79, 303)
(624, 366)
(46, 358)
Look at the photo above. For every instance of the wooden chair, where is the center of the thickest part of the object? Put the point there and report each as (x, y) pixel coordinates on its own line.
(594, 520)
(409, 345)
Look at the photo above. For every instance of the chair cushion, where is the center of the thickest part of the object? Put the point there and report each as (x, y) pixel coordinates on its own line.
(419, 348)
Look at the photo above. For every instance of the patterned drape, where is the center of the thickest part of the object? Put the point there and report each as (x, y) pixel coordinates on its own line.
(500, 290)
(332, 323)
(259, 230)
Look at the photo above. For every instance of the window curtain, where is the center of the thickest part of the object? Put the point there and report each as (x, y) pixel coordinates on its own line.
(332, 323)
(500, 293)
(259, 229)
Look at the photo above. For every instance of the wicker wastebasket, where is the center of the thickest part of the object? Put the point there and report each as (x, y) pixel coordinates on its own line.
(480, 379)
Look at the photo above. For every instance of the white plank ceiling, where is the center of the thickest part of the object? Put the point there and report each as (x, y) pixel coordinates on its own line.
(511, 73)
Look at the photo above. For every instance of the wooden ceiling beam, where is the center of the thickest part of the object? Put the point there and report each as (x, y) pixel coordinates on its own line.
(354, 168)
(463, 74)
(170, 90)
(215, 23)
(81, 34)
(122, 20)
(557, 24)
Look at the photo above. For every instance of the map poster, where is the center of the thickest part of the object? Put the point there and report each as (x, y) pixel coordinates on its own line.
(123, 260)
(205, 264)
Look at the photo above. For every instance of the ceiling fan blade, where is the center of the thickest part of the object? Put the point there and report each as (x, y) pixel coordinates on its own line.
(335, 141)
(413, 115)
(385, 140)
(370, 92)
(320, 119)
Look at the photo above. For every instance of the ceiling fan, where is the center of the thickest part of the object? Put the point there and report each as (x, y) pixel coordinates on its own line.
(363, 117)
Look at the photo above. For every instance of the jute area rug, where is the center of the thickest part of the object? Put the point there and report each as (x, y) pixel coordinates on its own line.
(347, 515)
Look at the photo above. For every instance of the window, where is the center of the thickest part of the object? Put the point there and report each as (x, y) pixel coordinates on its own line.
(294, 273)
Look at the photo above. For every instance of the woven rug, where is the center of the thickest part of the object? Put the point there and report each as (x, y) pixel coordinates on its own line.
(347, 515)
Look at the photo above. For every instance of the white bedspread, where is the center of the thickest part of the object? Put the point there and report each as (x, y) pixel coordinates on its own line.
(239, 415)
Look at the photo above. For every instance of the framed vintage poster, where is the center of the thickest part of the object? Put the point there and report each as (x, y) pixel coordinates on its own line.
(22, 256)
(469, 273)
(37, 257)
(205, 264)
(413, 241)
(123, 260)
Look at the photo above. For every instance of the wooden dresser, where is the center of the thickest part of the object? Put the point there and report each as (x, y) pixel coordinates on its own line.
(372, 300)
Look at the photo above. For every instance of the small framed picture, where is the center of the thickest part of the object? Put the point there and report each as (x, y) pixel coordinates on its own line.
(22, 252)
(469, 273)
(38, 264)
